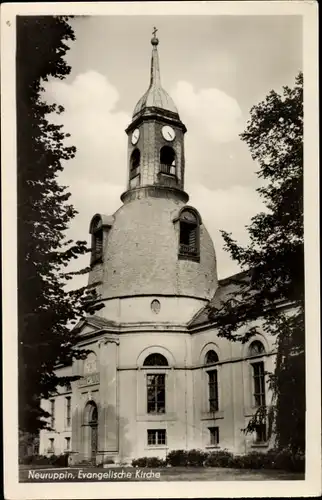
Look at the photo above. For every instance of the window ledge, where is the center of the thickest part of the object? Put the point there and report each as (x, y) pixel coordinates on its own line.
(250, 410)
(156, 417)
(174, 176)
(186, 256)
(212, 415)
(212, 447)
(260, 445)
(156, 447)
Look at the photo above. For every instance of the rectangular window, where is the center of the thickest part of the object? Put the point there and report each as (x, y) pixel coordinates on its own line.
(214, 435)
(261, 433)
(259, 383)
(68, 411)
(52, 413)
(51, 448)
(157, 437)
(67, 443)
(213, 390)
(156, 393)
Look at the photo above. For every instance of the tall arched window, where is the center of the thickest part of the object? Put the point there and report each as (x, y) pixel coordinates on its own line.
(168, 160)
(213, 397)
(97, 239)
(189, 244)
(155, 384)
(256, 348)
(211, 357)
(155, 359)
(135, 162)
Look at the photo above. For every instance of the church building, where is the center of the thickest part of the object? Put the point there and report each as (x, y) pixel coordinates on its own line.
(158, 377)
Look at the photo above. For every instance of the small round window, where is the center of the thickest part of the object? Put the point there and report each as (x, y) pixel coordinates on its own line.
(155, 306)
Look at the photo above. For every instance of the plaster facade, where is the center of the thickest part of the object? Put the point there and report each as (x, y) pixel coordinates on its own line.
(119, 389)
(154, 266)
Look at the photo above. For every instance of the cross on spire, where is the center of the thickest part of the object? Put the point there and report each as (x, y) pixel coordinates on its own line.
(154, 31)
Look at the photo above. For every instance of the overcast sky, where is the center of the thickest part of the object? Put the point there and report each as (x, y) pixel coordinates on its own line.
(215, 68)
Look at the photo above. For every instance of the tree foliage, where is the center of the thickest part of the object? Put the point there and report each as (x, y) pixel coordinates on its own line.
(272, 287)
(45, 308)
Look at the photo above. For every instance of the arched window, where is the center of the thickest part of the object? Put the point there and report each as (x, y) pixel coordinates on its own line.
(167, 160)
(211, 357)
(90, 364)
(189, 236)
(155, 359)
(135, 162)
(256, 348)
(213, 390)
(97, 240)
(155, 384)
(93, 416)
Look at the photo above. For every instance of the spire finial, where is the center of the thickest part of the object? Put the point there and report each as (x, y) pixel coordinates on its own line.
(155, 70)
(154, 40)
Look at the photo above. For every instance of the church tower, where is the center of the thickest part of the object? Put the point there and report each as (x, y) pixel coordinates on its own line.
(156, 138)
(155, 247)
(157, 376)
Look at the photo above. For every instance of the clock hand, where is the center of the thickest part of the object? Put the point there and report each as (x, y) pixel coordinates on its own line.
(169, 135)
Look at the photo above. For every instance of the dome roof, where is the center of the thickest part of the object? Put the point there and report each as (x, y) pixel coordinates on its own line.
(141, 254)
(155, 96)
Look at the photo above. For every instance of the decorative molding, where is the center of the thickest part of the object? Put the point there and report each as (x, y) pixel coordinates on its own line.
(154, 191)
(90, 379)
(157, 417)
(191, 367)
(108, 340)
(212, 415)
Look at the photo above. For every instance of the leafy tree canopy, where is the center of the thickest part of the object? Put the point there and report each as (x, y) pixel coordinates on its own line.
(45, 308)
(272, 288)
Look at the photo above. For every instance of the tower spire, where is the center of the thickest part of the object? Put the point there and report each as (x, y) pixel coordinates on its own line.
(155, 79)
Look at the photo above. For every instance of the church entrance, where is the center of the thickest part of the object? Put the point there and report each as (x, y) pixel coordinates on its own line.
(91, 431)
(93, 426)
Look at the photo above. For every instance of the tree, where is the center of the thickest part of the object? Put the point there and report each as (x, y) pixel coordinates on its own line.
(45, 308)
(272, 287)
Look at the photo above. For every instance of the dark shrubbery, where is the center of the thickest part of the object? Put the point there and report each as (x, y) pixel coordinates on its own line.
(148, 462)
(286, 460)
(108, 461)
(253, 460)
(273, 459)
(177, 458)
(55, 460)
(196, 458)
(220, 458)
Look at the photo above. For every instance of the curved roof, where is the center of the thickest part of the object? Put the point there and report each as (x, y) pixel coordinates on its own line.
(141, 254)
(155, 96)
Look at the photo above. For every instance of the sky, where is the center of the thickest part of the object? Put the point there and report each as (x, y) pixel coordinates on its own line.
(214, 67)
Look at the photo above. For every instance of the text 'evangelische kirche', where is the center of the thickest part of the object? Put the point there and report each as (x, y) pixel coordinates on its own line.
(157, 377)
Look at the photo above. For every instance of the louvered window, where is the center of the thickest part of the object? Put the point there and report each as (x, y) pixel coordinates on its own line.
(189, 238)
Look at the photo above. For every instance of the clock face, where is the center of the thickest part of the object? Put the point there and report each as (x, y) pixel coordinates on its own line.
(168, 133)
(135, 136)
